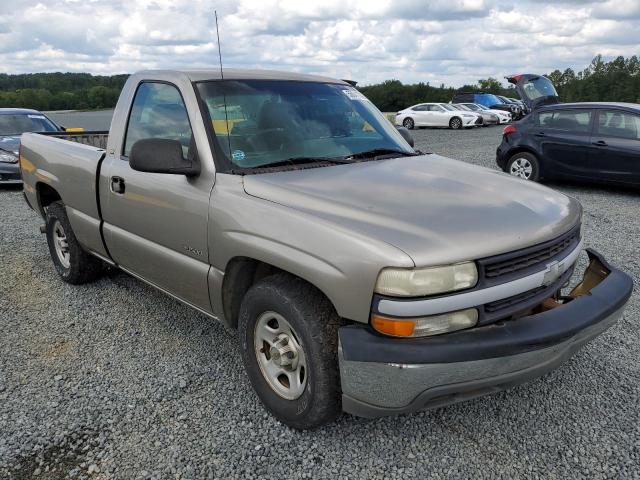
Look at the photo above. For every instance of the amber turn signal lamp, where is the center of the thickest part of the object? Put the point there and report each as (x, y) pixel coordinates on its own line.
(392, 326)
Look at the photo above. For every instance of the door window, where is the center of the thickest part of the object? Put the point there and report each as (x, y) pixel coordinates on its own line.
(569, 120)
(158, 111)
(614, 123)
(421, 108)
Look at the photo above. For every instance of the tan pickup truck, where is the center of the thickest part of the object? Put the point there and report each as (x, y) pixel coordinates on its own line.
(360, 274)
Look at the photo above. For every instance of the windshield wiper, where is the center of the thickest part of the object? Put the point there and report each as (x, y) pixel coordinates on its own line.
(302, 160)
(378, 152)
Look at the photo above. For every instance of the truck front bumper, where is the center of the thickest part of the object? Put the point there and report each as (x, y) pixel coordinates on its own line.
(385, 376)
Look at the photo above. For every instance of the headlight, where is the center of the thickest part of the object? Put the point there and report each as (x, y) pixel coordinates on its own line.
(418, 282)
(7, 157)
(425, 326)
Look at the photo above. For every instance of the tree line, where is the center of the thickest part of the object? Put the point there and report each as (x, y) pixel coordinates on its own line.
(60, 91)
(617, 81)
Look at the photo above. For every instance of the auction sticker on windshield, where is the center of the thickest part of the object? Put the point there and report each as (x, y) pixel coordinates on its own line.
(354, 94)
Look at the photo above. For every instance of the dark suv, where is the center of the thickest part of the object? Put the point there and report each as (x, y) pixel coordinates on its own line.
(595, 141)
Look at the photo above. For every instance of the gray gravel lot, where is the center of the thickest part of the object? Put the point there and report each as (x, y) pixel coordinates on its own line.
(116, 380)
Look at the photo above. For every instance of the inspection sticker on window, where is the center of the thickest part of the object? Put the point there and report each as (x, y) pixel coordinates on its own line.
(238, 155)
(354, 94)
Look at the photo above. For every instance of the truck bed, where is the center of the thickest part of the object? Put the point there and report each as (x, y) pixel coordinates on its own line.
(96, 139)
(67, 163)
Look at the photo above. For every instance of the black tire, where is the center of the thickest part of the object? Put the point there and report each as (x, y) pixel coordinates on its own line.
(79, 266)
(408, 123)
(517, 166)
(315, 324)
(455, 123)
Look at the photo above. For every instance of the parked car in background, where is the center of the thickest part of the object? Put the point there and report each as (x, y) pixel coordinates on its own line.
(13, 123)
(577, 141)
(503, 117)
(488, 118)
(489, 100)
(517, 108)
(436, 115)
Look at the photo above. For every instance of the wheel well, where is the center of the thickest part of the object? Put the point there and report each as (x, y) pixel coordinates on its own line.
(46, 195)
(240, 275)
(517, 150)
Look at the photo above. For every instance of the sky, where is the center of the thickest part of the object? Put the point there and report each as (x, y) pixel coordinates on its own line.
(438, 41)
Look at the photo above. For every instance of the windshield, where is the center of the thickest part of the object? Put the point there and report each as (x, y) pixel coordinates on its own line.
(477, 106)
(451, 108)
(462, 107)
(17, 124)
(268, 122)
(539, 87)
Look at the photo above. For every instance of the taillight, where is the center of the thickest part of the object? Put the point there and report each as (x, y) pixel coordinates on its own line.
(509, 129)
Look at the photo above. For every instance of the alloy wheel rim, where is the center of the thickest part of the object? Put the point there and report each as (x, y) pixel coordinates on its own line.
(280, 356)
(408, 123)
(61, 244)
(521, 167)
(456, 123)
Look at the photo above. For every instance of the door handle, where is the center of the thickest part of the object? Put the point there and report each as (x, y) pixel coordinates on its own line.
(117, 185)
(600, 143)
(540, 134)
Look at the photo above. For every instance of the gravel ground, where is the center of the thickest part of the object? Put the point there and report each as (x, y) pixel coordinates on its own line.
(116, 380)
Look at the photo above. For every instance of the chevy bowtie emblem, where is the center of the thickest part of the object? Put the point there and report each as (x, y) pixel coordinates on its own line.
(552, 273)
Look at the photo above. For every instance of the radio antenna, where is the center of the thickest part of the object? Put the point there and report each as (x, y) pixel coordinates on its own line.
(224, 96)
(215, 12)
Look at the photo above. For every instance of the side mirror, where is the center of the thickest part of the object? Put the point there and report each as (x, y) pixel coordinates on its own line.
(405, 134)
(159, 155)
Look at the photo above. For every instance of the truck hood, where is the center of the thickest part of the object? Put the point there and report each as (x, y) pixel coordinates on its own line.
(435, 209)
(10, 144)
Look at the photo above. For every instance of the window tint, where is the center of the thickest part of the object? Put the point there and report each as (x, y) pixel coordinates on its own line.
(571, 120)
(615, 123)
(421, 108)
(158, 112)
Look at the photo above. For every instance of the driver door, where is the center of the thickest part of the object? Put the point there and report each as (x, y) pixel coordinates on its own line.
(155, 224)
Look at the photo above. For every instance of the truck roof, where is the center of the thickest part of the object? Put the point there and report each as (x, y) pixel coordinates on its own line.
(241, 74)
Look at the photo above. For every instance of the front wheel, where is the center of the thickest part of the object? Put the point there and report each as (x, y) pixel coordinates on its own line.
(524, 165)
(288, 335)
(455, 123)
(408, 123)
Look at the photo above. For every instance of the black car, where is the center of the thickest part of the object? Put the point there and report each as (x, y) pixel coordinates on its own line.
(13, 123)
(591, 141)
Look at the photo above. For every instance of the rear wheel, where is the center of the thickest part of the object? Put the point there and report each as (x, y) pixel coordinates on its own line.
(455, 123)
(408, 123)
(72, 263)
(524, 165)
(288, 335)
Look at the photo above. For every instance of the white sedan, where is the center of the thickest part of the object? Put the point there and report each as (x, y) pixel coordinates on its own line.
(504, 117)
(436, 115)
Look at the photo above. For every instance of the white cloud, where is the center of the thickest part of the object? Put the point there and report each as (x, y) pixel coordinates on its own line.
(440, 41)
